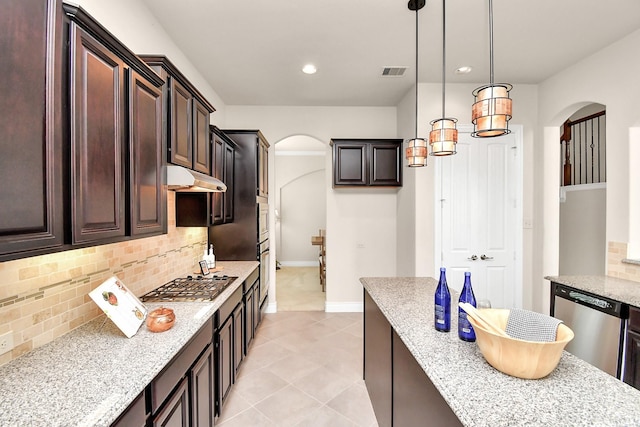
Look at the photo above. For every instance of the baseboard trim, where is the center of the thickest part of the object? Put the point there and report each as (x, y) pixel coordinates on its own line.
(343, 307)
(272, 307)
(298, 263)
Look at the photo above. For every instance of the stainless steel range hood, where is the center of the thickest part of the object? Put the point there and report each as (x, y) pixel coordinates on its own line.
(183, 179)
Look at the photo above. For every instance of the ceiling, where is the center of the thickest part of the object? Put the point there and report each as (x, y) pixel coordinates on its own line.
(252, 52)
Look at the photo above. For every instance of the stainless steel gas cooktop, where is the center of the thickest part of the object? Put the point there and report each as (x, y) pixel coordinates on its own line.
(190, 288)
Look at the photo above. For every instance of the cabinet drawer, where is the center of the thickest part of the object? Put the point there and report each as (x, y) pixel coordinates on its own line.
(135, 414)
(165, 382)
(230, 304)
(634, 319)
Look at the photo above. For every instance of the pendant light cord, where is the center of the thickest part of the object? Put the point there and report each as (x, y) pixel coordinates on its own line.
(416, 133)
(491, 41)
(443, 55)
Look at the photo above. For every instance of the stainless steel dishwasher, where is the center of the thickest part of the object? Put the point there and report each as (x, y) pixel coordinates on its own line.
(598, 324)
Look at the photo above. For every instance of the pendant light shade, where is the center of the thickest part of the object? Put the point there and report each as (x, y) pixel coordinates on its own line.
(491, 112)
(416, 153)
(492, 108)
(444, 135)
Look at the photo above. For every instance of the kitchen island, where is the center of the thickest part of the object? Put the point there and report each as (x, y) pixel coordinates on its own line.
(89, 376)
(574, 394)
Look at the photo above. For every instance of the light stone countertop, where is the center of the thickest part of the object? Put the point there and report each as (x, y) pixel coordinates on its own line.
(621, 290)
(574, 394)
(89, 376)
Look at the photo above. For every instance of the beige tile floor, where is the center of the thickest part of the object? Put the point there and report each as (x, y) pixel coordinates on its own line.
(304, 369)
(298, 289)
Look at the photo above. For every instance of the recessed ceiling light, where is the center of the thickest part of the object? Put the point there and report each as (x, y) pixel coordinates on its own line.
(309, 69)
(463, 70)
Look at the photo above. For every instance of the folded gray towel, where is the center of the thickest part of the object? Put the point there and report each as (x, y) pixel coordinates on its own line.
(531, 326)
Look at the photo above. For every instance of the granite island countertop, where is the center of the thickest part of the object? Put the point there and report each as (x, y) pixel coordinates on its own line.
(625, 291)
(574, 394)
(89, 376)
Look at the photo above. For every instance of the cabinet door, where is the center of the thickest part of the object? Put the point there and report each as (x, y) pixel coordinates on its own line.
(228, 179)
(238, 337)
(263, 168)
(201, 142)
(632, 360)
(180, 145)
(350, 164)
(135, 415)
(225, 361)
(385, 164)
(203, 391)
(97, 131)
(31, 214)
(217, 208)
(249, 315)
(176, 412)
(148, 195)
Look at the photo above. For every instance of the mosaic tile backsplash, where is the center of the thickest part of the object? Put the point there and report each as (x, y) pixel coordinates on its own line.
(616, 252)
(44, 297)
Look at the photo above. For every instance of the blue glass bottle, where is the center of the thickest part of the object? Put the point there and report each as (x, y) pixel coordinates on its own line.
(442, 304)
(465, 330)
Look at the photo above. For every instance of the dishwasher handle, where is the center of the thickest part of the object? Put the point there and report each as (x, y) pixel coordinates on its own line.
(596, 302)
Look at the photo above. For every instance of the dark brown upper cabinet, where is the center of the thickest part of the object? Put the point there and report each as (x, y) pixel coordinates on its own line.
(115, 136)
(97, 139)
(187, 113)
(148, 196)
(31, 165)
(224, 151)
(367, 162)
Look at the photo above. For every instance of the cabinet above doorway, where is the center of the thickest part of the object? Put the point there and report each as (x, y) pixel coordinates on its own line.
(367, 162)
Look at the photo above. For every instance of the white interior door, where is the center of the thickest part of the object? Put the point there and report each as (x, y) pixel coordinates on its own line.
(480, 200)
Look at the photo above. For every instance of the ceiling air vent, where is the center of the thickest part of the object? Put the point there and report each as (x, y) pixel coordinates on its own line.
(393, 71)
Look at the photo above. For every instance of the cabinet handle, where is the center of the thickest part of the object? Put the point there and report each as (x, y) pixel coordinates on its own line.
(473, 257)
(484, 257)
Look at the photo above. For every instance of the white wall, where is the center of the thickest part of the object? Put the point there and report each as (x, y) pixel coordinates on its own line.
(354, 217)
(301, 201)
(583, 245)
(610, 77)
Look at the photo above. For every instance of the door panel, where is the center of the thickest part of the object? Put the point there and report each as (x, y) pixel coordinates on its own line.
(479, 217)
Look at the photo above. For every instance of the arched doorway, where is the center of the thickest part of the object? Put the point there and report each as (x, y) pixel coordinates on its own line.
(300, 212)
(583, 193)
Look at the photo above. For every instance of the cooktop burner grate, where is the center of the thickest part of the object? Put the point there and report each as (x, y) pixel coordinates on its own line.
(190, 288)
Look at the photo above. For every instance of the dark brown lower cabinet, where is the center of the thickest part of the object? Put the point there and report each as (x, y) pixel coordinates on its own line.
(135, 415)
(202, 382)
(238, 337)
(632, 350)
(225, 361)
(176, 412)
(401, 393)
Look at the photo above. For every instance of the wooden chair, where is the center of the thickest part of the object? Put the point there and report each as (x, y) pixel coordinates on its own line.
(322, 262)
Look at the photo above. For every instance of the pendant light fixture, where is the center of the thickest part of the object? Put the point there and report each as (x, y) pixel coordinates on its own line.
(444, 135)
(416, 153)
(491, 111)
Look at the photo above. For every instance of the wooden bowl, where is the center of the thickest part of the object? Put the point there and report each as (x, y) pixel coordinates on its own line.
(515, 357)
(161, 319)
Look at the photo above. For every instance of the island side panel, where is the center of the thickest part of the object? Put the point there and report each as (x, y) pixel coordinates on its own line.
(416, 401)
(377, 361)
